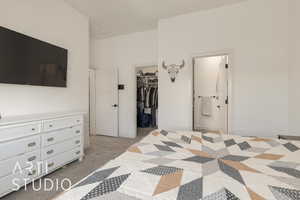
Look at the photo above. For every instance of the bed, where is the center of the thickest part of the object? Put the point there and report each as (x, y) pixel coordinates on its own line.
(181, 165)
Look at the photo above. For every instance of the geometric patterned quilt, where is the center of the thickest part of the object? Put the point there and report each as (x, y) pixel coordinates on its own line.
(169, 165)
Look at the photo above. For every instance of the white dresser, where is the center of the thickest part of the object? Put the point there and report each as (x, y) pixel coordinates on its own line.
(44, 142)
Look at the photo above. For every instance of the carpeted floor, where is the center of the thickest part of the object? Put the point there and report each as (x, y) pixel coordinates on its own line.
(102, 150)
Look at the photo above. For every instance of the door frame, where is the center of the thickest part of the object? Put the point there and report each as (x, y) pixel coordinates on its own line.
(135, 67)
(92, 101)
(229, 54)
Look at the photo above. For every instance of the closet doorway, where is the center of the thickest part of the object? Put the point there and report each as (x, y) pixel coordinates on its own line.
(147, 98)
(210, 102)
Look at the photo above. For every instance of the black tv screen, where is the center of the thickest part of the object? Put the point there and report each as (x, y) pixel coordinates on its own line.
(28, 61)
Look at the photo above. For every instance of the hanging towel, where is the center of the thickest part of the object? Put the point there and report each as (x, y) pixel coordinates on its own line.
(206, 106)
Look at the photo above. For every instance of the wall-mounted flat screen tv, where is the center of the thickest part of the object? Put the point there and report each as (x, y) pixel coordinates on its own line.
(28, 61)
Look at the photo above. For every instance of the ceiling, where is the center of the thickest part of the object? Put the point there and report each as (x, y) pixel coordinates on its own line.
(116, 17)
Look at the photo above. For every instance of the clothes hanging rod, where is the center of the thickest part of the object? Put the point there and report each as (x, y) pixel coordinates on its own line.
(148, 84)
(146, 77)
(153, 85)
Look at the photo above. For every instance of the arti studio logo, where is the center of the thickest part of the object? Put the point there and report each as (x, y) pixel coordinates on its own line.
(32, 173)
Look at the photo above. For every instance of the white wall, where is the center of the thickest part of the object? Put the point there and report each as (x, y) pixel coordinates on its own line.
(294, 80)
(57, 23)
(125, 52)
(257, 33)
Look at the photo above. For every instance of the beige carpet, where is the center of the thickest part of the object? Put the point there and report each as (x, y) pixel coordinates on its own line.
(102, 150)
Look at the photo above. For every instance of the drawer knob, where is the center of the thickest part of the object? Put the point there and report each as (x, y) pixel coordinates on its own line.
(77, 142)
(50, 139)
(33, 172)
(78, 152)
(78, 131)
(78, 120)
(32, 144)
(50, 125)
(50, 152)
(50, 165)
(33, 129)
(32, 158)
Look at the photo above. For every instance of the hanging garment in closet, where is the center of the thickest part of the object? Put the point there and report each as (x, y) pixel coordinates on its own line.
(153, 119)
(152, 96)
(147, 97)
(141, 94)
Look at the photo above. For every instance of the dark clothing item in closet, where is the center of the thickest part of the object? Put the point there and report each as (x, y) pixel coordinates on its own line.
(153, 119)
(153, 98)
(141, 94)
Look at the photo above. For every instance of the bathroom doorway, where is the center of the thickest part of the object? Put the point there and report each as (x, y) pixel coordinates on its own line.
(210, 102)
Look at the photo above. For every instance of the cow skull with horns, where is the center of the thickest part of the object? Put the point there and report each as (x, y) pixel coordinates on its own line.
(173, 69)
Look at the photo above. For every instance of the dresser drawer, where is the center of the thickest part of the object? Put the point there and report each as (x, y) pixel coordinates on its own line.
(50, 125)
(19, 147)
(60, 160)
(57, 136)
(55, 149)
(17, 131)
(14, 164)
(11, 182)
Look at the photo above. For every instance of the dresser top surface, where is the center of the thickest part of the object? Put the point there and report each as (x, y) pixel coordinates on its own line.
(9, 120)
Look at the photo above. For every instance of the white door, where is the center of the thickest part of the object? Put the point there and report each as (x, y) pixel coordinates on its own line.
(107, 102)
(222, 93)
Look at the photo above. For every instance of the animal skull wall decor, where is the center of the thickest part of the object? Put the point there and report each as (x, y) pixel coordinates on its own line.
(173, 69)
